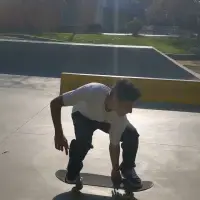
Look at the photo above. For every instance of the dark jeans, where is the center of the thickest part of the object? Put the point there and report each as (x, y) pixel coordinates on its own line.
(79, 147)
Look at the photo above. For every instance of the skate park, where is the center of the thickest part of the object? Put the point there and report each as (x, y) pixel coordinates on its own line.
(167, 118)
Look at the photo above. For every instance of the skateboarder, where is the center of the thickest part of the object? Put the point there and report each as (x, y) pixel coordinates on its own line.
(97, 106)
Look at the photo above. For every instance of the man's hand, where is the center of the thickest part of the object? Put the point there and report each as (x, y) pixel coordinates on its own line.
(116, 177)
(61, 143)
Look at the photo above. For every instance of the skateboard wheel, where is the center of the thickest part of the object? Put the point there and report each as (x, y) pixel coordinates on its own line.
(79, 184)
(116, 195)
(128, 195)
(75, 190)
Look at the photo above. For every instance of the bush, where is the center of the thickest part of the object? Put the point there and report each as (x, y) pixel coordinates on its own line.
(134, 26)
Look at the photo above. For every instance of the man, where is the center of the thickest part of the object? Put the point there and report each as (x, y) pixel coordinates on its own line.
(96, 106)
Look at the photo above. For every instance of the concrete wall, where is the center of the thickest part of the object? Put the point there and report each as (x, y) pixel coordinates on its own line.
(47, 15)
(87, 11)
(28, 14)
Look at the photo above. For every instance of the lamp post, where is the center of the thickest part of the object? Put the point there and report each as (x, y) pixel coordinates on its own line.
(116, 28)
(116, 15)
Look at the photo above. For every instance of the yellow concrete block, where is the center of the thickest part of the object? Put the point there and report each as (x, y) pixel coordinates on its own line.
(153, 90)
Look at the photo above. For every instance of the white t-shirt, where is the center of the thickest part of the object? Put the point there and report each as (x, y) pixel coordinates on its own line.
(89, 101)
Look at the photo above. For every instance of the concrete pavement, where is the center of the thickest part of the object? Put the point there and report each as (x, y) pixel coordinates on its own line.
(169, 152)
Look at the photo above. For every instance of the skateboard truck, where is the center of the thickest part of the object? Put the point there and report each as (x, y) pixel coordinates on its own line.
(79, 185)
(127, 189)
(129, 195)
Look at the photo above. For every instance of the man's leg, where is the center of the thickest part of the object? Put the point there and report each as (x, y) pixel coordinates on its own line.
(130, 142)
(80, 146)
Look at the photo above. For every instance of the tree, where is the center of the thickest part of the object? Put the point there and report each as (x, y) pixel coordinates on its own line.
(134, 26)
(174, 12)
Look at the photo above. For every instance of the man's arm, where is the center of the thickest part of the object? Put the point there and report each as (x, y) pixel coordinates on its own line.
(115, 172)
(56, 105)
(114, 155)
(69, 98)
(116, 131)
(60, 140)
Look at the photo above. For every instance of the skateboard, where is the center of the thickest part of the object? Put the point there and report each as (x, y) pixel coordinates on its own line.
(104, 181)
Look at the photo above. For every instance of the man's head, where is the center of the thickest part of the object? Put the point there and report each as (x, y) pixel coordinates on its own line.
(123, 96)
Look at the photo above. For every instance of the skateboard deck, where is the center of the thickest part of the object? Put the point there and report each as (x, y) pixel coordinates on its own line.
(101, 181)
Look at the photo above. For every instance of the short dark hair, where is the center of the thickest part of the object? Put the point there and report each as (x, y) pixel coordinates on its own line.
(125, 90)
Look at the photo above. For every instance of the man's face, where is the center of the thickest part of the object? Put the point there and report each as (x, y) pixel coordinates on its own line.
(122, 107)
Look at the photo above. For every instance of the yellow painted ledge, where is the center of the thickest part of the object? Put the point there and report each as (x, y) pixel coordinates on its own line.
(153, 90)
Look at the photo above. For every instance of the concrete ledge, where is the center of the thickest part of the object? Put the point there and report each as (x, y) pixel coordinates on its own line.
(153, 90)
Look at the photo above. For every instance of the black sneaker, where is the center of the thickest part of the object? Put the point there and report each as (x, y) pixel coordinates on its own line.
(132, 178)
(72, 181)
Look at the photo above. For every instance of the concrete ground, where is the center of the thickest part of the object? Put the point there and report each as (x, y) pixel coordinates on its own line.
(169, 153)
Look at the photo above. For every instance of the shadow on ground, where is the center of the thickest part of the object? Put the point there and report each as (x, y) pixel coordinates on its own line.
(85, 196)
(82, 196)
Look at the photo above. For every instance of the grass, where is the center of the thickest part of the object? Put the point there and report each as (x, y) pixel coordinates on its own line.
(164, 44)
